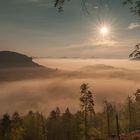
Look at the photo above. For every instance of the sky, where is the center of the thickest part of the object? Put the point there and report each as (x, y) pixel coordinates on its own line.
(35, 28)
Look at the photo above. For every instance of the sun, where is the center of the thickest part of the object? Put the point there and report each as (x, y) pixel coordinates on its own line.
(104, 30)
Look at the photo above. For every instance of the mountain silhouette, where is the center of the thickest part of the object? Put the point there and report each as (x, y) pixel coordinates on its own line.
(14, 59)
(15, 66)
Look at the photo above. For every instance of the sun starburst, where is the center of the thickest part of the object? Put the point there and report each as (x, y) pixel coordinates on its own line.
(104, 30)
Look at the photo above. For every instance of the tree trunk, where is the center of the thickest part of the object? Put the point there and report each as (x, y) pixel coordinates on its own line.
(108, 123)
(117, 126)
(86, 123)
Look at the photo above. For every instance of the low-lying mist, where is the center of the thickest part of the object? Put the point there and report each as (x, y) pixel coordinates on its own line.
(62, 90)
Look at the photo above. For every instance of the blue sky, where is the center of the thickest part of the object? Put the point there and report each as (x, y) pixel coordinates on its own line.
(36, 28)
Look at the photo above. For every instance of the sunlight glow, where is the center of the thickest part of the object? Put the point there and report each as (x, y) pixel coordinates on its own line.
(104, 30)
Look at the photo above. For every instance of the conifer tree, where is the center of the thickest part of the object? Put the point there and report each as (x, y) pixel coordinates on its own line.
(87, 107)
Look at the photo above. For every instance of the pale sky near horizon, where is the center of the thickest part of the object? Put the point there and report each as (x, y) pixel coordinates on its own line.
(34, 27)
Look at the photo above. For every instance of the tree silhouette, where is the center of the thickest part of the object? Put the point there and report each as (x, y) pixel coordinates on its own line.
(60, 3)
(137, 108)
(134, 6)
(87, 106)
(110, 111)
(136, 53)
(5, 127)
(137, 95)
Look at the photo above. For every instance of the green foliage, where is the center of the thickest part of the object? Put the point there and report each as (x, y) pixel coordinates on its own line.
(64, 126)
(82, 125)
(34, 125)
(30, 127)
(17, 130)
(94, 134)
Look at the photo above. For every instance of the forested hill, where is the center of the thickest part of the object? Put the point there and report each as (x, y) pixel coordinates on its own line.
(14, 59)
(16, 66)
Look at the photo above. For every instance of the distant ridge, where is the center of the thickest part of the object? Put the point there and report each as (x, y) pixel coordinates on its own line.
(14, 59)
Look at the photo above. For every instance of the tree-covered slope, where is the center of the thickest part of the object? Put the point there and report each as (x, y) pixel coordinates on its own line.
(14, 59)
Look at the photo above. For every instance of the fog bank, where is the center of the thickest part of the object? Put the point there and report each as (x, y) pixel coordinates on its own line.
(108, 82)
